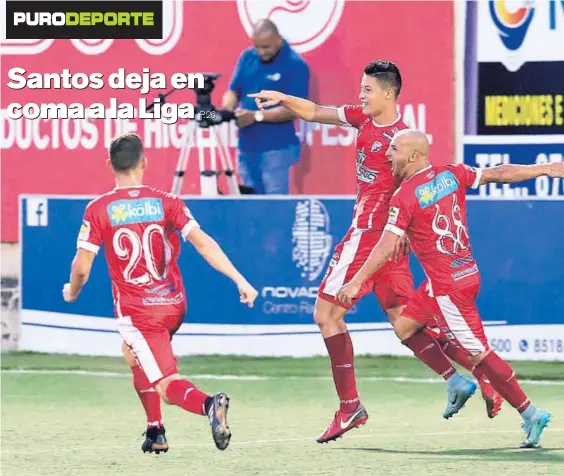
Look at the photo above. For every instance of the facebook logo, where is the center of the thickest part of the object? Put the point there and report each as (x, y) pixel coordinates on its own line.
(37, 211)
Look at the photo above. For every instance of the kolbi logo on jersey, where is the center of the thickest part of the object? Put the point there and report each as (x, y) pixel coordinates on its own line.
(129, 212)
(431, 192)
(363, 173)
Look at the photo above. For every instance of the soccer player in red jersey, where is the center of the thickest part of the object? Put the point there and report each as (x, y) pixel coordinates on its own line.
(430, 207)
(139, 226)
(377, 120)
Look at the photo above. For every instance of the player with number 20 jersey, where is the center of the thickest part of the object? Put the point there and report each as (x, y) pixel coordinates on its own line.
(139, 227)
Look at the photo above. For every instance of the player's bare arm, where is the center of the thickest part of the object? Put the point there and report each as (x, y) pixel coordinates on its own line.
(274, 115)
(210, 250)
(299, 107)
(278, 114)
(378, 256)
(80, 271)
(511, 173)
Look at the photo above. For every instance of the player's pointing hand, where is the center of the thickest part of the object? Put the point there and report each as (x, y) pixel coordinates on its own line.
(247, 293)
(267, 98)
(348, 292)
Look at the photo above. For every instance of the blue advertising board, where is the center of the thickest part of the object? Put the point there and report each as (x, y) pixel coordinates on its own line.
(486, 152)
(283, 247)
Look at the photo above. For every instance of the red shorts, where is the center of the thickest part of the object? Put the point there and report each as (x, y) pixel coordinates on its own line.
(149, 338)
(392, 283)
(455, 314)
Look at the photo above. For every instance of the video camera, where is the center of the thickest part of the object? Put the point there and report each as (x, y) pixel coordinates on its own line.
(206, 113)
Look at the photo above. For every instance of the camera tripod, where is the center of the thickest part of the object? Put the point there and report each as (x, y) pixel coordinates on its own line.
(209, 173)
(207, 118)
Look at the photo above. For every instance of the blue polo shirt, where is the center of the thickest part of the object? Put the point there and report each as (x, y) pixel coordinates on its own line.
(287, 73)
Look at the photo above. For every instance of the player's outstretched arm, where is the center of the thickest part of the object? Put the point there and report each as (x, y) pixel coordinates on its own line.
(379, 255)
(80, 271)
(300, 107)
(214, 255)
(511, 173)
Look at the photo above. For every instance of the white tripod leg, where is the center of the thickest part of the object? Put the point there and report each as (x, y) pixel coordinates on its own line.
(182, 165)
(208, 175)
(226, 163)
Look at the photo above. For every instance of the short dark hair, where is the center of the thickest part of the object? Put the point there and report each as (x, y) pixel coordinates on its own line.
(386, 72)
(126, 152)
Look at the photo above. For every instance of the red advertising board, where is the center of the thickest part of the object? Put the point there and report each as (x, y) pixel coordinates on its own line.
(336, 38)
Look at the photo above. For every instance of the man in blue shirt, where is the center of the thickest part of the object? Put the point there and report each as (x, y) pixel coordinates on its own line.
(268, 145)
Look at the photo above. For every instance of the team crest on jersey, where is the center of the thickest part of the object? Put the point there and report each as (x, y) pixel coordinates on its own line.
(363, 173)
(129, 212)
(376, 147)
(84, 231)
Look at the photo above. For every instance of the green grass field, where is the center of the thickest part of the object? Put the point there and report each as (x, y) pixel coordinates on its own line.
(56, 423)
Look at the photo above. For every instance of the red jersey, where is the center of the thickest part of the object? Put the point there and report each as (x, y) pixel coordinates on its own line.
(430, 207)
(138, 226)
(375, 183)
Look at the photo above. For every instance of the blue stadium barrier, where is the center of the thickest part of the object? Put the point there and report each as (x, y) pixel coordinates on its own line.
(283, 247)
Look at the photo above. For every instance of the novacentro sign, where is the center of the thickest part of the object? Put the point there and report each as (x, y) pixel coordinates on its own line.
(285, 292)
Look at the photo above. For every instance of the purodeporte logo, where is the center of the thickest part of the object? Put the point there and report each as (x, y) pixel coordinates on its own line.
(85, 19)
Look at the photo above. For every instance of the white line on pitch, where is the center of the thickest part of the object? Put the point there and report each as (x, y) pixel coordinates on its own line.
(257, 377)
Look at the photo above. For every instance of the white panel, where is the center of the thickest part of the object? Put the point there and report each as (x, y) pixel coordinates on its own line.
(539, 41)
(531, 342)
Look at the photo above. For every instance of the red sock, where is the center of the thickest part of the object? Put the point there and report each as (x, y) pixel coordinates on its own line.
(184, 394)
(502, 378)
(453, 352)
(149, 397)
(461, 357)
(427, 350)
(341, 353)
